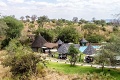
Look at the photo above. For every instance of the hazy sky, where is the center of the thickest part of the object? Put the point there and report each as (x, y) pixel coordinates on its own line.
(86, 9)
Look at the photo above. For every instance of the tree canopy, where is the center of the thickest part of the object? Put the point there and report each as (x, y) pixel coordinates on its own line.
(3, 27)
(73, 52)
(14, 27)
(41, 20)
(69, 34)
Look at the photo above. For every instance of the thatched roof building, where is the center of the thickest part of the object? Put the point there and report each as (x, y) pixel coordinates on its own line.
(89, 50)
(83, 40)
(59, 42)
(38, 42)
(50, 45)
(63, 49)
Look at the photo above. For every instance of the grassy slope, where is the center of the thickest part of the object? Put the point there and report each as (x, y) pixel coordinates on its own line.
(65, 68)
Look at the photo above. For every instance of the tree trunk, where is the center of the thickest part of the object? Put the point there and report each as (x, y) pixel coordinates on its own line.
(103, 66)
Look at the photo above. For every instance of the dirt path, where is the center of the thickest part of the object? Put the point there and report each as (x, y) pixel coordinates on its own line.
(79, 64)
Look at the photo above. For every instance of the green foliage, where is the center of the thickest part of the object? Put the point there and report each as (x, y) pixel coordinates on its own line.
(14, 25)
(31, 26)
(95, 38)
(23, 63)
(49, 35)
(58, 23)
(114, 45)
(14, 46)
(3, 28)
(90, 27)
(103, 28)
(86, 72)
(108, 52)
(13, 31)
(82, 21)
(69, 34)
(115, 28)
(102, 58)
(100, 22)
(42, 19)
(73, 52)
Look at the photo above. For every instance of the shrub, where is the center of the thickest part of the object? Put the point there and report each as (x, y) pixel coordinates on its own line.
(69, 34)
(49, 35)
(94, 38)
(23, 63)
(90, 27)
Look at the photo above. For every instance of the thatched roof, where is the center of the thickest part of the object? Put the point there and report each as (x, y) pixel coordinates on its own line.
(75, 45)
(83, 40)
(59, 42)
(38, 42)
(51, 45)
(63, 49)
(89, 50)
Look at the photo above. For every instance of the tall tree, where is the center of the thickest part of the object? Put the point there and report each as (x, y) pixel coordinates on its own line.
(22, 18)
(69, 34)
(82, 21)
(14, 29)
(42, 19)
(33, 17)
(75, 19)
(27, 18)
(73, 52)
(116, 21)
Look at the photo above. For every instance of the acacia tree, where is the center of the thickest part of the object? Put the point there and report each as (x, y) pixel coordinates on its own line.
(27, 18)
(41, 20)
(82, 21)
(73, 52)
(33, 17)
(22, 18)
(75, 19)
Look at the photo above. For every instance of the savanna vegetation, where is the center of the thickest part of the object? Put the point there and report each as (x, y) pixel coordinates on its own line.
(24, 64)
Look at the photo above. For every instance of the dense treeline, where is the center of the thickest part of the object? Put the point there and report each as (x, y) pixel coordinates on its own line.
(94, 31)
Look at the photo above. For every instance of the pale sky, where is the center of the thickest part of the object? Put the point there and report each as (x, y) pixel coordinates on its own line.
(66, 9)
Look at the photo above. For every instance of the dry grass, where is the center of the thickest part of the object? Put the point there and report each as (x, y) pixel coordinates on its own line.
(54, 75)
(4, 71)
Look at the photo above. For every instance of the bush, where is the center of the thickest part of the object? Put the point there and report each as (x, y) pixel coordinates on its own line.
(94, 38)
(69, 34)
(49, 35)
(115, 28)
(90, 27)
(23, 63)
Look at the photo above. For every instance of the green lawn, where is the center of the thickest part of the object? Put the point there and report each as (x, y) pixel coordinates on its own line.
(67, 69)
